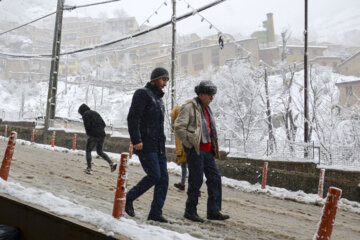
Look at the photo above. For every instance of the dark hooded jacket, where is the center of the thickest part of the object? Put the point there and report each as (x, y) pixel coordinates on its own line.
(93, 122)
(146, 119)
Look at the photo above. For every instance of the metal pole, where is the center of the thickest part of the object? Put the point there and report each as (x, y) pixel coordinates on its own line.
(51, 99)
(173, 20)
(306, 90)
(66, 73)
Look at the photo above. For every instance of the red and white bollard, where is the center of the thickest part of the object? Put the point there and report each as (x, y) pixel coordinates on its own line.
(120, 194)
(264, 176)
(321, 183)
(327, 221)
(32, 136)
(5, 130)
(53, 139)
(5, 166)
(74, 142)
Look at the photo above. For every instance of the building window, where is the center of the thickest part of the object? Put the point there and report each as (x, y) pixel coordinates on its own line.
(215, 57)
(197, 60)
(334, 64)
(184, 60)
(349, 91)
(324, 63)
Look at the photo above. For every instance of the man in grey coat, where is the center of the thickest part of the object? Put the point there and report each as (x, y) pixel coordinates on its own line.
(195, 127)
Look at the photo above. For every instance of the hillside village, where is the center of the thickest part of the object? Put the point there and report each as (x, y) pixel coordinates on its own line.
(137, 56)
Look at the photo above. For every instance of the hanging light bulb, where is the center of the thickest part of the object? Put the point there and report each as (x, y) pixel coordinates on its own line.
(188, 6)
(202, 19)
(210, 27)
(147, 20)
(221, 41)
(165, 3)
(156, 12)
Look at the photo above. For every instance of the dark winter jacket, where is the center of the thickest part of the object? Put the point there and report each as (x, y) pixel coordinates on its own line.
(146, 119)
(93, 122)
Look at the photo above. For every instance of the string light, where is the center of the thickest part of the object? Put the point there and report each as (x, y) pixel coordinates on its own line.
(220, 36)
(155, 13)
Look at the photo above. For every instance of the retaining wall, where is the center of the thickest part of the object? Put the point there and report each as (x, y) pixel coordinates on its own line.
(290, 175)
(35, 222)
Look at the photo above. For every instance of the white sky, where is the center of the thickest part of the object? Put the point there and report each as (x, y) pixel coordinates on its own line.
(235, 16)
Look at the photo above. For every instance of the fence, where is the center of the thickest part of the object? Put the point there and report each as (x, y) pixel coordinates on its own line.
(281, 150)
(335, 156)
(344, 156)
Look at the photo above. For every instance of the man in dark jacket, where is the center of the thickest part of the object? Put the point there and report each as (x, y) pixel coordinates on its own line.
(94, 127)
(146, 129)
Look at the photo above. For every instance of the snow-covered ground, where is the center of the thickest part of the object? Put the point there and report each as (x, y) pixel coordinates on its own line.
(53, 178)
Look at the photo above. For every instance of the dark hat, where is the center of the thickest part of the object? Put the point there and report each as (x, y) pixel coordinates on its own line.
(158, 73)
(206, 87)
(83, 108)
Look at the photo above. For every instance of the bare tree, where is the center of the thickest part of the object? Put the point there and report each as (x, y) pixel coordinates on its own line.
(272, 142)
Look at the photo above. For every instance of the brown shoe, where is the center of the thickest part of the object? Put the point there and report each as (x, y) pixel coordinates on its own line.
(180, 186)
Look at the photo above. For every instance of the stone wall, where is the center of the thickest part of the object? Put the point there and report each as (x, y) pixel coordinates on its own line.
(293, 176)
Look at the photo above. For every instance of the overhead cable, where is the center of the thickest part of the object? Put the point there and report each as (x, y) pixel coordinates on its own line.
(137, 34)
(66, 8)
(69, 8)
(25, 24)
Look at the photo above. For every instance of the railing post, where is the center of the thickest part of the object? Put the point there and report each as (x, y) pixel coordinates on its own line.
(74, 142)
(120, 194)
(321, 183)
(5, 130)
(53, 139)
(264, 176)
(32, 136)
(327, 221)
(5, 166)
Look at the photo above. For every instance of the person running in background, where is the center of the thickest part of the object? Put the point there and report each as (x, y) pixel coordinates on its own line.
(180, 153)
(94, 127)
(146, 129)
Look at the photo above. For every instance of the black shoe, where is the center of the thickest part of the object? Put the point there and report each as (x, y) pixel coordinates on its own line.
(180, 186)
(157, 218)
(113, 167)
(216, 216)
(129, 209)
(193, 217)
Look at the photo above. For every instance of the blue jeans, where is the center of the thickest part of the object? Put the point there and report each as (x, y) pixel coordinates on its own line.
(155, 166)
(198, 166)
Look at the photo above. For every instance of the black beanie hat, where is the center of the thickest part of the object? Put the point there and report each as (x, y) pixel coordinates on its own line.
(206, 87)
(158, 73)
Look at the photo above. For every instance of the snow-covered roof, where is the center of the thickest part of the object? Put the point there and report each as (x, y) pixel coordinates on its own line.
(350, 58)
(347, 79)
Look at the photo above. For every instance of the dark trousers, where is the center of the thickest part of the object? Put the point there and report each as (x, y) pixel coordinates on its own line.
(198, 166)
(99, 143)
(155, 167)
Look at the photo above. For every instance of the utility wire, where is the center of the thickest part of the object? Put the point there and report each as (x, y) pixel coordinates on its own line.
(182, 17)
(23, 25)
(69, 8)
(66, 8)
(156, 12)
